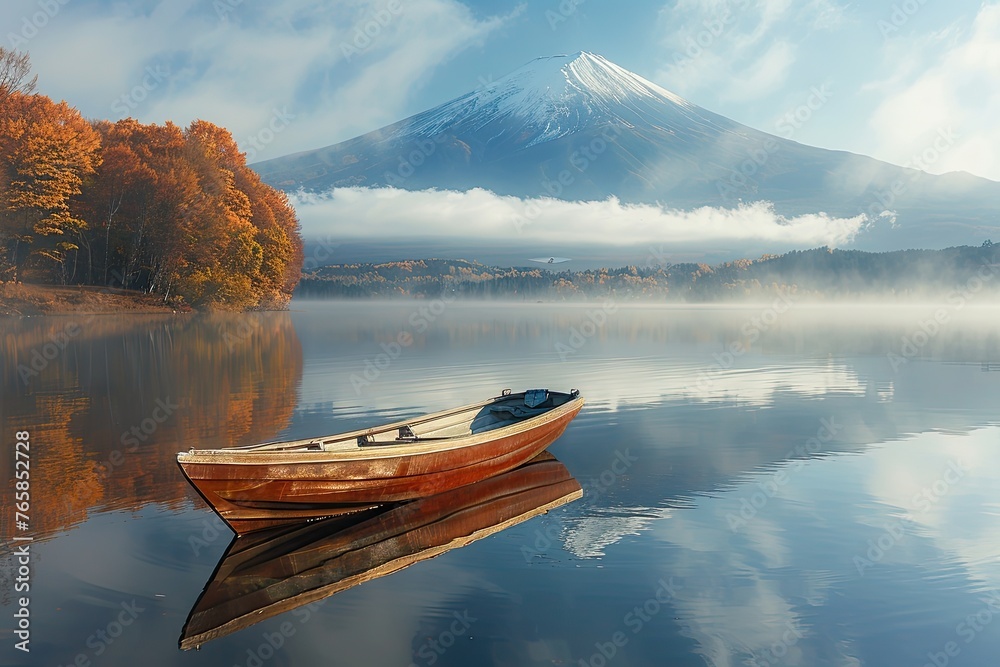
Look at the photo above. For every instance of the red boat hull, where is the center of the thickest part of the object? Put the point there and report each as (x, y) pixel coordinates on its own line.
(256, 491)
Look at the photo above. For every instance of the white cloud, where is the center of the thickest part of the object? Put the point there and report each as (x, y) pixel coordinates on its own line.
(768, 72)
(944, 486)
(480, 214)
(340, 68)
(957, 91)
(825, 14)
(739, 47)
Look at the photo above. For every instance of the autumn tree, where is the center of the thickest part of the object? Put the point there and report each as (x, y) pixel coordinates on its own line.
(136, 206)
(277, 233)
(123, 183)
(255, 253)
(147, 207)
(47, 150)
(178, 212)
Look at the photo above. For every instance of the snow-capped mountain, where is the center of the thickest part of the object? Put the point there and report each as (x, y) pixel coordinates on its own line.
(579, 127)
(549, 98)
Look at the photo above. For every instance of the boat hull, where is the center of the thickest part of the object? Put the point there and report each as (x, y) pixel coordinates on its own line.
(252, 491)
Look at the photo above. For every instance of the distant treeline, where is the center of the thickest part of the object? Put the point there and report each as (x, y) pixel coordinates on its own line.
(156, 208)
(820, 273)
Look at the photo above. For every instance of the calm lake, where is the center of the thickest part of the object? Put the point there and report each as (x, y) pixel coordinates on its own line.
(780, 484)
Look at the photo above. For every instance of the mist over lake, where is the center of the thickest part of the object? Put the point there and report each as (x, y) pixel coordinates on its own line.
(423, 333)
(810, 486)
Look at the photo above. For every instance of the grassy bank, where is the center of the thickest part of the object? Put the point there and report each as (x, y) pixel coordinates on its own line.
(28, 299)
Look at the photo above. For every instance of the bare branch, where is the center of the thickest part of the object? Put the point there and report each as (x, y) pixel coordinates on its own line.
(15, 68)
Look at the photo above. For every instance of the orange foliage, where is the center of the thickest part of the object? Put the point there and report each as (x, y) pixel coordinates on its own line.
(147, 207)
(46, 152)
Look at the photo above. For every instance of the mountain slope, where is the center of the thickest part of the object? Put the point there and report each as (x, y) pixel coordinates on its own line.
(580, 128)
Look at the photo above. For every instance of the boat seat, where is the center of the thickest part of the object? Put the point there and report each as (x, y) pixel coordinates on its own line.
(535, 397)
(404, 435)
(518, 411)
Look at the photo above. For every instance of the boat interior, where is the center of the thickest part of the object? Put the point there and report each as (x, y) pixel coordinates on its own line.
(504, 411)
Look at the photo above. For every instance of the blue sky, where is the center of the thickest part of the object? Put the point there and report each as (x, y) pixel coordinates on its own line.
(882, 78)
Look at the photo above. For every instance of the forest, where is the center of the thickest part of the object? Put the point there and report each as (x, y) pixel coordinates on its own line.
(820, 274)
(158, 209)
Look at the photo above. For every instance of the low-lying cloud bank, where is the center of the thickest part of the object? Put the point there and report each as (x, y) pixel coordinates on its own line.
(390, 213)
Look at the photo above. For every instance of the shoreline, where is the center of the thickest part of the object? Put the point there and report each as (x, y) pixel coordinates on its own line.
(28, 299)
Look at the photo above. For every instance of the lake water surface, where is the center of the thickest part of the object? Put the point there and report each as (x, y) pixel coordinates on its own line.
(764, 485)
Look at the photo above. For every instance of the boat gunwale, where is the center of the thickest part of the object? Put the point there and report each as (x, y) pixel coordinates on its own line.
(259, 455)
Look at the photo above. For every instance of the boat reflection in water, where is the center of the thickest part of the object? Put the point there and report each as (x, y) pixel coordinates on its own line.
(270, 572)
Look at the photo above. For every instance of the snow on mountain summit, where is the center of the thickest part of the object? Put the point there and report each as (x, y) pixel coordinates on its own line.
(518, 131)
(580, 128)
(601, 77)
(548, 98)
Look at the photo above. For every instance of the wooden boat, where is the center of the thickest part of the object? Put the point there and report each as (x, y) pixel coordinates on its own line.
(259, 486)
(273, 571)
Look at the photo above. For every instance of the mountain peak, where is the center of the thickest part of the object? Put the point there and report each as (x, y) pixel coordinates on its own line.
(550, 97)
(578, 127)
(570, 56)
(590, 73)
